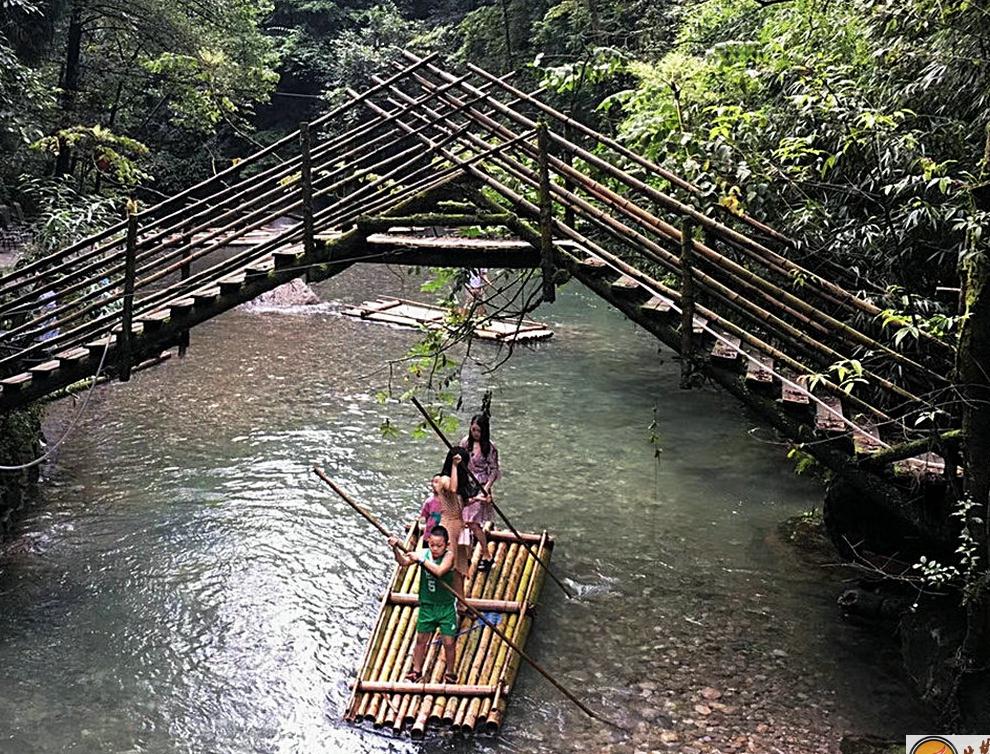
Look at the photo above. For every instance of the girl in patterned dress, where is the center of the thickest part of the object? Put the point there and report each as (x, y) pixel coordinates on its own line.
(483, 463)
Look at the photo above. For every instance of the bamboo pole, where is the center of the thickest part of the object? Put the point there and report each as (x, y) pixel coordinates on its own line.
(687, 305)
(124, 348)
(512, 528)
(478, 616)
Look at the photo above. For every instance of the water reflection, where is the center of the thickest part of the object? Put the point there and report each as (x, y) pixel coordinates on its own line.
(187, 585)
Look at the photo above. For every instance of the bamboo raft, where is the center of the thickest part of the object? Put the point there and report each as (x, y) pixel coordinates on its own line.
(403, 313)
(486, 666)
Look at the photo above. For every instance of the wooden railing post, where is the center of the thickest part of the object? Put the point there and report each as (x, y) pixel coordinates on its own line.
(547, 265)
(568, 158)
(306, 187)
(184, 272)
(130, 253)
(687, 303)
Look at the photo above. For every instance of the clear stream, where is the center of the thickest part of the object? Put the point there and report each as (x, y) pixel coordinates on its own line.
(185, 584)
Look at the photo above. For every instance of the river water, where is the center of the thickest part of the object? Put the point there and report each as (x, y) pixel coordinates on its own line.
(185, 584)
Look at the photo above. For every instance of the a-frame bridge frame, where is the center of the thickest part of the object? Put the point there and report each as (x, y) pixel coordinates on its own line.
(722, 289)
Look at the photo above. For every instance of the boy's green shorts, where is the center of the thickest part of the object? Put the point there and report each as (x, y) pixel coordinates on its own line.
(432, 617)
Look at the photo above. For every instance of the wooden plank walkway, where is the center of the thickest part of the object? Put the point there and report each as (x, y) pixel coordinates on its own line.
(403, 313)
(486, 666)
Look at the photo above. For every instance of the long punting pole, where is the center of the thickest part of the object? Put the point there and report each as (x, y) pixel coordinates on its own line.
(498, 510)
(474, 613)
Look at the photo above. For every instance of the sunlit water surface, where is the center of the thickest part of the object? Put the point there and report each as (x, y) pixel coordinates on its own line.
(185, 584)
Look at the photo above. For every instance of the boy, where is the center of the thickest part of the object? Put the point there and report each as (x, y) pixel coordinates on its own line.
(437, 606)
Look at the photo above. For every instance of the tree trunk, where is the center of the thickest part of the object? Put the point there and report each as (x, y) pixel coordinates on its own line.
(70, 82)
(973, 377)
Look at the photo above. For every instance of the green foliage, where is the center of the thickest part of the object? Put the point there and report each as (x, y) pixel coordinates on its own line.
(842, 122)
(98, 152)
(66, 215)
(803, 462)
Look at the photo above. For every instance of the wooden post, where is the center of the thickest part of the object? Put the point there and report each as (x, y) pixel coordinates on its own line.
(687, 303)
(546, 214)
(306, 187)
(184, 272)
(130, 252)
(568, 158)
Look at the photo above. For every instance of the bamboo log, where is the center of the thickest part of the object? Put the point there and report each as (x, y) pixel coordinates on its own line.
(492, 576)
(391, 632)
(504, 535)
(481, 605)
(378, 632)
(449, 689)
(512, 669)
(394, 663)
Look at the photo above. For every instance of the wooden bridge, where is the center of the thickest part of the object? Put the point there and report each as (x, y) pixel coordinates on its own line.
(723, 289)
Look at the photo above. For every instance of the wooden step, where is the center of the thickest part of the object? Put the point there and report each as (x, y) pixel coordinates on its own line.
(725, 352)
(865, 437)
(136, 328)
(72, 356)
(98, 346)
(698, 325)
(153, 321)
(285, 259)
(181, 307)
(624, 284)
(206, 297)
(758, 373)
(829, 420)
(45, 370)
(16, 383)
(924, 467)
(232, 283)
(794, 396)
(657, 305)
(593, 265)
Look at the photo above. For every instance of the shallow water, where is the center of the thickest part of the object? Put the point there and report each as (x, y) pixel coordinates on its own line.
(185, 584)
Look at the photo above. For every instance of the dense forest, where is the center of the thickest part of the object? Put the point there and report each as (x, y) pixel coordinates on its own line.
(859, 128)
